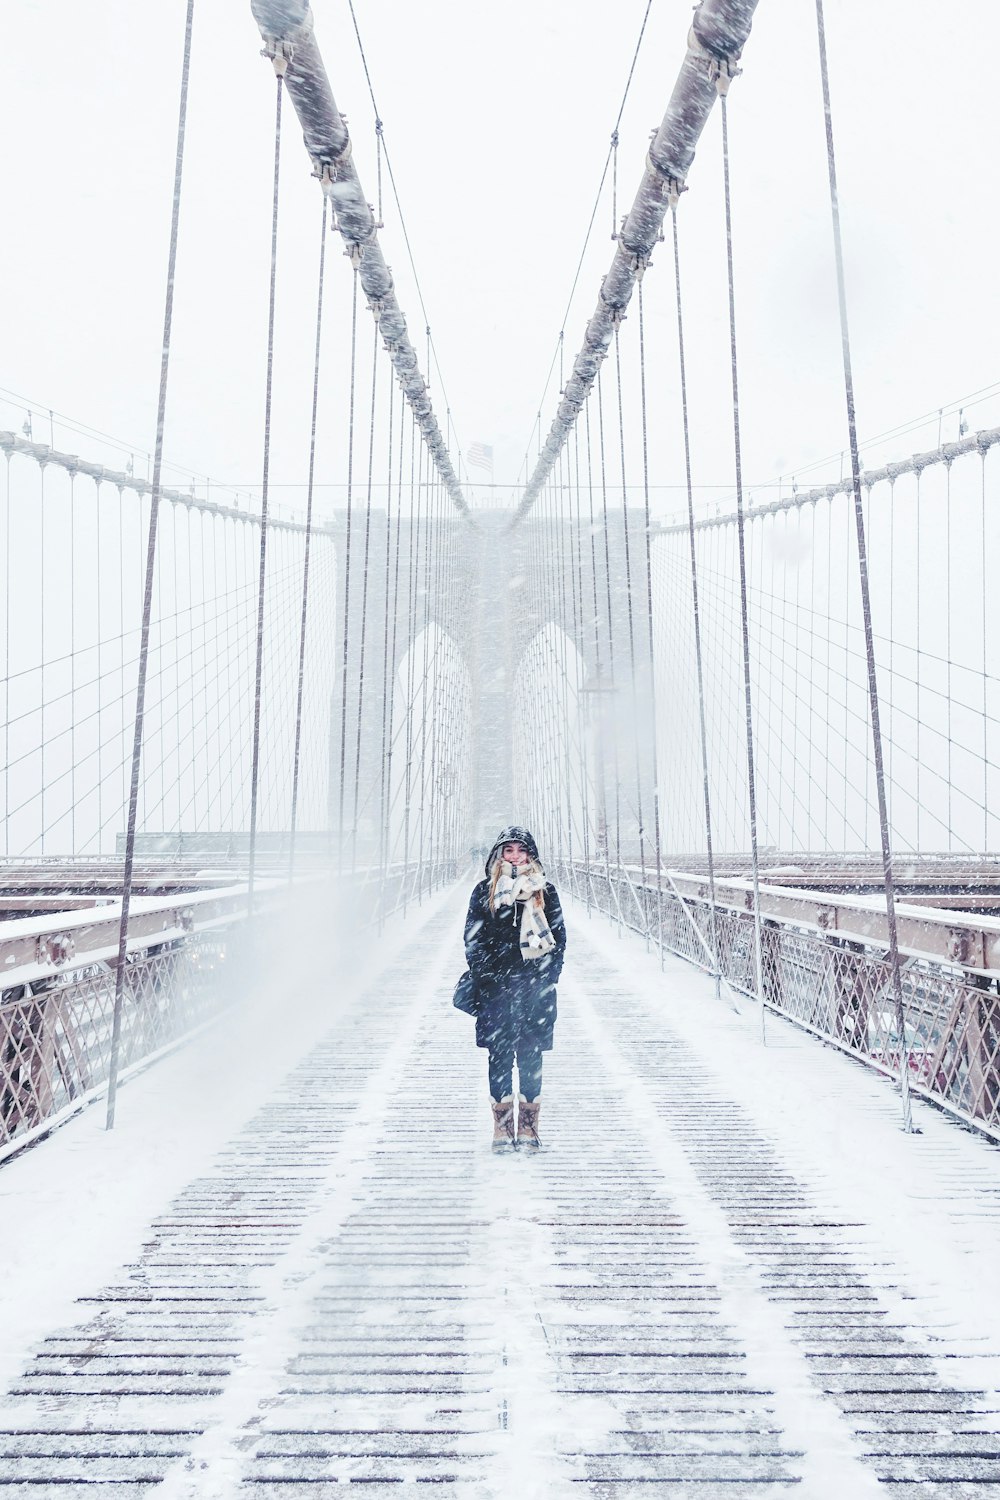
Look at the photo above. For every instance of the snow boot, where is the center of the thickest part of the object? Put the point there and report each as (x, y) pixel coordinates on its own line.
(503, 1124)
(527, 1124)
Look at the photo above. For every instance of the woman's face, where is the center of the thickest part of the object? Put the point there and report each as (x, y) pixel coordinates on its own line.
(514, 854)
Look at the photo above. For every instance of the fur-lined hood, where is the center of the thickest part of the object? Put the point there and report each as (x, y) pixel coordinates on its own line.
(512, 836)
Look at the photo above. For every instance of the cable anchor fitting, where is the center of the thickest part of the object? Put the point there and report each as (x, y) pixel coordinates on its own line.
(721, 72)
(329, 169)
(721, 68)
(675, 186)
(280, 52)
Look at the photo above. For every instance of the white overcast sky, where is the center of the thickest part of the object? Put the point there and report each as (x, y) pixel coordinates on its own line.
(497, 121)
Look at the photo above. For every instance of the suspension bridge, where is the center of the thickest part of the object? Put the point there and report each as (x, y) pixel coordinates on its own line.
(252, 760)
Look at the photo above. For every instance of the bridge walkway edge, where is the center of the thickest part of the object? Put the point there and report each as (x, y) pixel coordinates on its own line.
(695, 1286)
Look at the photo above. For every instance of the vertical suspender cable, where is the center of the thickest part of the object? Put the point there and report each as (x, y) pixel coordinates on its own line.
(581, 728)
(866, 604)
(386, 726)
(983, 620)
(569, 535)
(416, 461)
(557, 543)
(42, 617)
(279, 68)
(444, 735)
(611, 623)
(649, 613)
(98, 548)
(549, 757)
(568, 612)
(147, 603)
(696, 608)
(433, 687)
(557, 705)
(631, 622)
(72, 658)
(628, 611)
(741, 536)
(442, 702)
(435, 692)
(424, 575)
(308, 541)
(600, 809)
(8, 614)
(364, 605)
(347, 578)
(393, 655)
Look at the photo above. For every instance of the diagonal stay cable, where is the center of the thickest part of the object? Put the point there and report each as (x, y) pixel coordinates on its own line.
(147, 600)
(288, 25)
(718, 33)
(699, 655)
(384, 153)
(279, 69)
(305, 560)
(657, 821)
(612, 149)
(346, 631)
(866, 605)
(722, 84)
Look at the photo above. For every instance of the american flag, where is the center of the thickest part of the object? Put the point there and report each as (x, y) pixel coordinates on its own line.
(480, 456)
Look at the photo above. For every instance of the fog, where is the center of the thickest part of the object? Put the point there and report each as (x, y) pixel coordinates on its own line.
(497, 132)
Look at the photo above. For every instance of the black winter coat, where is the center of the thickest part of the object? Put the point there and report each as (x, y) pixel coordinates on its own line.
(518, 996)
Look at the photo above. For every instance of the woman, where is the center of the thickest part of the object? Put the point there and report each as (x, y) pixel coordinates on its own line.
(515, 940)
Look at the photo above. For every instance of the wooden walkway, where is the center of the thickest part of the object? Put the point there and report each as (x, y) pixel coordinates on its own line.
(355, 1292)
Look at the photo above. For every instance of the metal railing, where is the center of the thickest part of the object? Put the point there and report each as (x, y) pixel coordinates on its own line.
(831, 975)
(405, 885)
(58, 994)
(57, 984)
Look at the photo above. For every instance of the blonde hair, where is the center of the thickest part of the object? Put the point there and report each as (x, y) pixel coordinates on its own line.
(496, 870)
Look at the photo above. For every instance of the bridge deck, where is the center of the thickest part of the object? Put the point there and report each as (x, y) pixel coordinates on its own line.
(728, 1273)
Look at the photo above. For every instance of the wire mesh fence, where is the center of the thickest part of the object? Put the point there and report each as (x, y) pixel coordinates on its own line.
(405, 885)
(55, 1034)
(835, 986)
(56, 1020)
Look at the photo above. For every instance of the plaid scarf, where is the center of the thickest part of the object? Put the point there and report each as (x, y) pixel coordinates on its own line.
(527, 886)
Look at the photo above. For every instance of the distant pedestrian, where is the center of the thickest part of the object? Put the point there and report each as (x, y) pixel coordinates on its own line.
(515, 941)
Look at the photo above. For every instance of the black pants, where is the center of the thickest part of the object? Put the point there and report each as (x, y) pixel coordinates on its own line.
(529, 1069)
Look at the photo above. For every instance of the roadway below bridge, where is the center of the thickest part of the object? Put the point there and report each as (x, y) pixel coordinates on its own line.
(297, 1264)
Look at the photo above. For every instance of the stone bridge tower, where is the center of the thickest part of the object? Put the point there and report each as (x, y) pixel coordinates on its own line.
(492, 609)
